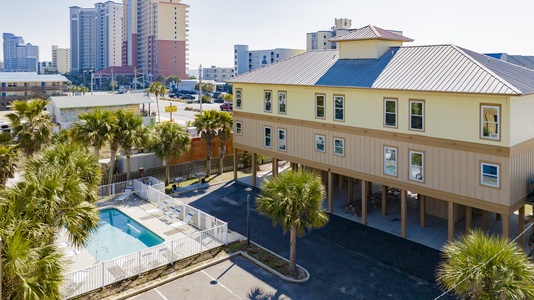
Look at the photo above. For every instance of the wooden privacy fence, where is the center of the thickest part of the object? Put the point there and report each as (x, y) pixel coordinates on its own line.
(185, 170)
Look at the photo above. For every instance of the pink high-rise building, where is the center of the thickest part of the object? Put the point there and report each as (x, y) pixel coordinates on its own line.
(155, 37)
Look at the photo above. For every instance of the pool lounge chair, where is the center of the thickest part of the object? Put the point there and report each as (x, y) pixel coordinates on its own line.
(160, 209)
(74, 284)
(169, 213)
(72, 255)
(126, 195)
(186, 220)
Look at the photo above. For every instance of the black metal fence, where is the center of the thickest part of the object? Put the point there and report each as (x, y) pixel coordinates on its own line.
(185, 170)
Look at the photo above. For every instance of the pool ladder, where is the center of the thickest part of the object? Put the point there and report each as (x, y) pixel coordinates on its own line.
(96, 252)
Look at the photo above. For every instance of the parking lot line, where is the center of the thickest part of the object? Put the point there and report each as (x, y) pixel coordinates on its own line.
(159, 293)
(222, 285)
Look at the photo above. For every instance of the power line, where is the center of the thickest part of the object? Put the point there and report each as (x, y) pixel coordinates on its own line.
(485, 263)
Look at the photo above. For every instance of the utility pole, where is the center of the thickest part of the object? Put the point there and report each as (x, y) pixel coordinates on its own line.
(112, 81)
(200, 86)
(92, 79)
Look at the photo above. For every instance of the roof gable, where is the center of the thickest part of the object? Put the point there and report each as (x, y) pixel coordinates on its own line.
(370, 32)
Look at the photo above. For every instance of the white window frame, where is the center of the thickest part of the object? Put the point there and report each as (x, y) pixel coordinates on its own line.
(386, 113)
(337, 108)
(238, 98)
(483, 122)
(318, 138)
(392, 157)
(411, 172)
(268, 99)
(482, 174)
(282, 99)
(317, 106)
(268, 137)
(422, 116)
(238, 128)
(342, 153)
(282, 142)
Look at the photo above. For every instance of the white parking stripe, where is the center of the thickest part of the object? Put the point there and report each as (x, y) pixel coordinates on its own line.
(222, 285)
(164, 298)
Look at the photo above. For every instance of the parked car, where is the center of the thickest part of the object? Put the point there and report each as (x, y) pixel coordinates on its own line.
(187, 97)
(227, 106)
(218, 100)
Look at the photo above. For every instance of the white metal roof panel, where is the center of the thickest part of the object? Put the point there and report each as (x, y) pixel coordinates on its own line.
(100, 100)
(30, 77)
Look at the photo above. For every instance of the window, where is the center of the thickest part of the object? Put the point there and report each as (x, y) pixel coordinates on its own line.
(282, 97)
(339, 146)
(339, 108)
(417, 166)
(238, 128)
(267, 100)
(282, 139)
(490, 119)
(489, 174)
(319, 106)
(238, 98)
(319, 143)
(390, 161)
(390, 112)
(267, 137)
(417, 115)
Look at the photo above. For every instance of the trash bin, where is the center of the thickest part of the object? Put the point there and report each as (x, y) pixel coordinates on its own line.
(204, 180)
(174, 187)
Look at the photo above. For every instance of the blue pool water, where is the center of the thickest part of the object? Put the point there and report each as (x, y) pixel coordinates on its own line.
(119, 235)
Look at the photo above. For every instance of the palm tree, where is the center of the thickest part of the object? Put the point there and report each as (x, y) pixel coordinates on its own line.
(207, 124)
(129, 128)
(83, 89)
(31, 125)
(294, 200)
(224, 132)
(228, 98)
(172, 79)
(478, 266)
(158, 89)
(93, 129)
(58, 191)
(114, 141)
(169, 140)
(8, 166)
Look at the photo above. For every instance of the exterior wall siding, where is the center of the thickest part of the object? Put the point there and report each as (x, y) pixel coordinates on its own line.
(522, 168)
(446, 171)
(522, 123)
(458, 120)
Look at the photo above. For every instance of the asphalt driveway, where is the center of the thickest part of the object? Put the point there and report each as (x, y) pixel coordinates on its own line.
(346, 260)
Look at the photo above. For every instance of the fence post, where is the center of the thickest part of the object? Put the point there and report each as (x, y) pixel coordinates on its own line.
(138, 262)
(201, 239)
(103, 275)
(226, 235)
(172, 253)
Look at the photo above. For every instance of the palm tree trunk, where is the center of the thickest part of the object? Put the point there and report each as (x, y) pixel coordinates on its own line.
(222, 152)
(157, 108)
(128, 175)
(167, 170)
(293, 249)
(97, 152)
(208, 159)
(111, 165)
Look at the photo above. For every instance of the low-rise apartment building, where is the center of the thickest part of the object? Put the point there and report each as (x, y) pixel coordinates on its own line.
(446, 123)
(29, 85)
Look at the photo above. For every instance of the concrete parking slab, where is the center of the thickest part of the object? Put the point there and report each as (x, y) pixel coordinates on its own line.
(237, 278)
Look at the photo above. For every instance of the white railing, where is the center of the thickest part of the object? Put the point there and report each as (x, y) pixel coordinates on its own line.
(214, 233)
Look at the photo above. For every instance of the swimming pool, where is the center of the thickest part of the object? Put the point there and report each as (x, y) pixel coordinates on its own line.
(119, 235)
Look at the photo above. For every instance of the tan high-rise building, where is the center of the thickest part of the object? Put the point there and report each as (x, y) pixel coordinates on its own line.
(155, 35)
(61, 59)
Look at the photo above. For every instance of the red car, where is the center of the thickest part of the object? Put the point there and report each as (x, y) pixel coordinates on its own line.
(227, 106)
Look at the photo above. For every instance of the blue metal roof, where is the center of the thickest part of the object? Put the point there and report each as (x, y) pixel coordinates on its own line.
(356, 72)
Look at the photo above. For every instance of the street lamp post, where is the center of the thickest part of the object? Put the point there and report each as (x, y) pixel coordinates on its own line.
(248, 189)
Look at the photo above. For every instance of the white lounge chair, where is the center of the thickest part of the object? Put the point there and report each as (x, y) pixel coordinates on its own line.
(169, 213)
(126, 195)
(186, 220)
(74, 284)
(72, 255)
(162, 207)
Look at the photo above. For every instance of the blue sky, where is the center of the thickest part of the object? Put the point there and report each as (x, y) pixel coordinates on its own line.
(216, 25)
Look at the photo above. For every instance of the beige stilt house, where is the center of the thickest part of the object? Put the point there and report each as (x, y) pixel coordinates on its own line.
(449, 124)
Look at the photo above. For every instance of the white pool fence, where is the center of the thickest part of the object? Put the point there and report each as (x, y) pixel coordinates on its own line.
(213, 233)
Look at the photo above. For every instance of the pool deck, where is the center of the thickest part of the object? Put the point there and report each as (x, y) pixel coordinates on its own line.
(135, 208)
